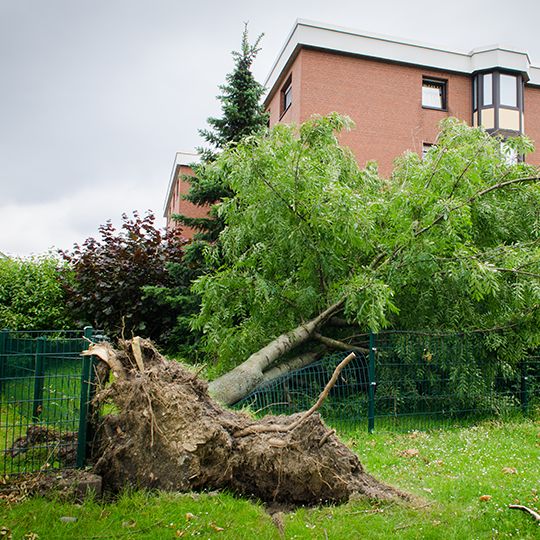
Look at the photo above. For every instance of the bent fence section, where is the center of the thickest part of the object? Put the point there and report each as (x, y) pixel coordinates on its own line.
(409, 381)
(45, 390)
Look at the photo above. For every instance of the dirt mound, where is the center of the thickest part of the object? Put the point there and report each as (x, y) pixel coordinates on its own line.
(72, 485)
(168, 433)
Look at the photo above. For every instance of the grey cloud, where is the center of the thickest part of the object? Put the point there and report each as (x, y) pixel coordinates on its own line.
(98, 95)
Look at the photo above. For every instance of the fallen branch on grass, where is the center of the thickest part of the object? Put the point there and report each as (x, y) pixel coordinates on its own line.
(534, 514)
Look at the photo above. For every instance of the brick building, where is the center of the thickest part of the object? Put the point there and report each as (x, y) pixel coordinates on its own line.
(178, 186)
(398, 91)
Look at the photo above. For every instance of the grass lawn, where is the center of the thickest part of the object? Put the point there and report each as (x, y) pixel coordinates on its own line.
(465, 477)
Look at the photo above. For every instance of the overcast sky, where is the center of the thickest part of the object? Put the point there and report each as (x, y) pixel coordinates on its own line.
(96, 96)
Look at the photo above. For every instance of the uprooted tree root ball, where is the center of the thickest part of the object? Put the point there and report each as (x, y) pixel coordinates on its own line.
(169, 434)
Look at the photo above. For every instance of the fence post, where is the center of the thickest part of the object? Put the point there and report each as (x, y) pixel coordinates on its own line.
(3, 356)
(39, 378)
(86, 384)
(372, 383)
(524, 394)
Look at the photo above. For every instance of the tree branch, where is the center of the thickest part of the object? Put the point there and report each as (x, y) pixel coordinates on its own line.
(281, 198)
(516, 271)
(336, 344)
(477, 195)
(471, 161)
(534, 514)
(276, 428)
(289, 365)
(440, 217)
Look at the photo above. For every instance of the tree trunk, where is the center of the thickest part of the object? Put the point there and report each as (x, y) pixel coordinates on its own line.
(289, 365)
(239, 382)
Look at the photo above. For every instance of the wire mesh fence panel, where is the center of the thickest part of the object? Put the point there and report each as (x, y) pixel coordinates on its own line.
(345, 407)
(41, 387)
(409, 381)
(429, 380)
(530, 386)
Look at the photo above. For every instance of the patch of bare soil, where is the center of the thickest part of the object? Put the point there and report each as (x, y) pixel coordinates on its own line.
(68, 485)
(169, 434)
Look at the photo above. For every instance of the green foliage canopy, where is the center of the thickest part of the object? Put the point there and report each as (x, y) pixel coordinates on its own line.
(31, 295)
(449, 243)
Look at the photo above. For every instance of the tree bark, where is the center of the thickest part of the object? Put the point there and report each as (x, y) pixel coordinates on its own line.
(239, 382)
(289, 365)
(340, 345)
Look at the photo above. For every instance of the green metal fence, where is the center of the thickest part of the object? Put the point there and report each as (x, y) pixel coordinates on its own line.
(407, 381)
(403, 381)
(45, 389)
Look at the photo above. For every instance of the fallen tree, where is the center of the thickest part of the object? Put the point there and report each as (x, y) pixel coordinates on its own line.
(450, 243)
(168, 433)
(237, 383)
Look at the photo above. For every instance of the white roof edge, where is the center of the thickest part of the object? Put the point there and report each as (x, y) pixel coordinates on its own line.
(373, 35)
(180, 159)
(186, 158)
(347, 40)
(534, 75)
(500, 47)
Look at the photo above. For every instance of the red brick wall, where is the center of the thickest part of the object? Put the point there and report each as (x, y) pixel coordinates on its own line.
(177, 205)
(531, 115)
(383, 99)
(293, 112)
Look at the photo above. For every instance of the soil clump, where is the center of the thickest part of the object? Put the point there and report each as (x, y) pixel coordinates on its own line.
(167, 433)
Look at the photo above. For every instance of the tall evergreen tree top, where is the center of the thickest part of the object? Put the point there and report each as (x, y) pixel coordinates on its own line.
(243, 113)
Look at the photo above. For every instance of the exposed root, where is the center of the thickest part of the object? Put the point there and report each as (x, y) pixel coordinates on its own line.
(61, 446)
(308, 413)
(169, 434)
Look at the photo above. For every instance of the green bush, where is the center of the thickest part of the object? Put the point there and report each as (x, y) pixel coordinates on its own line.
(31, 296)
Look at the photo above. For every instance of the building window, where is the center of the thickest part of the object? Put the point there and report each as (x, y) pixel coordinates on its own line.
(433, 94)
(508, 90)
(498, 102)
(426, 147)
(487, 89)
(286, 95)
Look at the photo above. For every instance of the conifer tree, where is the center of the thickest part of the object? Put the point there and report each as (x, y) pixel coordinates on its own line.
(243, 114)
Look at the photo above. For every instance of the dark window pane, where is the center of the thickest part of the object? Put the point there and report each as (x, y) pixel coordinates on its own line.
(508, 90)
(287, 97)
(488, 89)
(425, 149)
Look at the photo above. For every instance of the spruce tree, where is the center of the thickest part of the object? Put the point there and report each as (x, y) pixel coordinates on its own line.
(243, 114)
